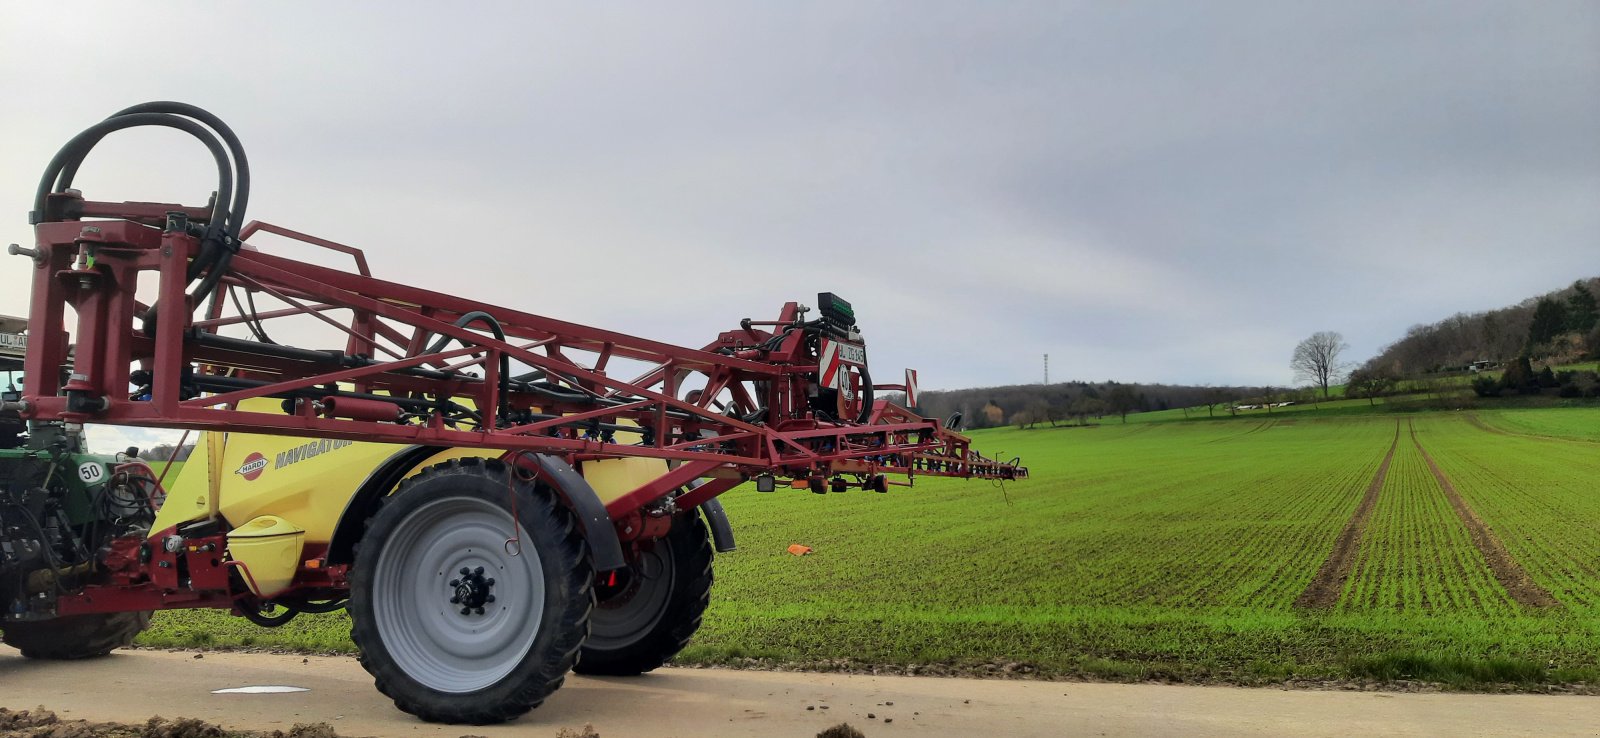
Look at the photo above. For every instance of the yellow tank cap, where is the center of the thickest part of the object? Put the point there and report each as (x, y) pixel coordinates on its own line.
(265, 526)
(269, 547)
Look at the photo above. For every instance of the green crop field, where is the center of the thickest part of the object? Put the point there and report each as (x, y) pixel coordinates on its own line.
(1545, 423)
(167, 472)
(1460, 547)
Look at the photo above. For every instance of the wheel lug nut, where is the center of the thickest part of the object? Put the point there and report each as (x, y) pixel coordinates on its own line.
(455, 600)
(489, 581)
(466, 572)
(466, 611)
(478, 571)
(455, 582)
(479, 611)
(488, 600)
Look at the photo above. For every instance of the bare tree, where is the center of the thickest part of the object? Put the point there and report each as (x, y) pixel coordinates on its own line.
(1212, 397)
(1043, 412)
(1317, 359)
(1082, 407)
(1023, 419)
(1370, 383)
(1121, 401)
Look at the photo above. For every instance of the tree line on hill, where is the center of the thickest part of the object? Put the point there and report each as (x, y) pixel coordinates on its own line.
(1026, 405)
(1560, 327)
(1555, 328)
(1520, 377)
(163, 452)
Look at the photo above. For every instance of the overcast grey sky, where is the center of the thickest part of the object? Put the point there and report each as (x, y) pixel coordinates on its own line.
(1174, 192)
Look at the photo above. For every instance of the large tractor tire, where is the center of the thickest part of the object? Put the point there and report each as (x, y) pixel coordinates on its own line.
(650, 611)
(77, 636)
(458, 619)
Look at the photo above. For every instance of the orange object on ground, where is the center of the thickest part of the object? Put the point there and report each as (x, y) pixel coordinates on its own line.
(798, 549)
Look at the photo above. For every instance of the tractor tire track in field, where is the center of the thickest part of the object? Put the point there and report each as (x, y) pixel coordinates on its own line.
(1253, 429)
(1478, 423)
(1506, 570)
(1324, 590)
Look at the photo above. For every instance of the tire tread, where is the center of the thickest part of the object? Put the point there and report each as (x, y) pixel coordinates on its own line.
(679, 624)
(77, 636)
(537, 683)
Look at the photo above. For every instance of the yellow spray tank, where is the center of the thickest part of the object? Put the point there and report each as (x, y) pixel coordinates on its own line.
(269, 547)
(305, 485)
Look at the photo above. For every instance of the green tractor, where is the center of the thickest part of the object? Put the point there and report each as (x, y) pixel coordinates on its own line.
(59, 507)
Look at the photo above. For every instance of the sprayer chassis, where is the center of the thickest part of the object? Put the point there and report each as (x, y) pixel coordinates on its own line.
(458, 457)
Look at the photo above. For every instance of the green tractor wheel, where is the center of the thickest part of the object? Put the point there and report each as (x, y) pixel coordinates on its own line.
(76, 636)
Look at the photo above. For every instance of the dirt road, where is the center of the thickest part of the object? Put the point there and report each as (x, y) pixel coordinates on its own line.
(132, 686)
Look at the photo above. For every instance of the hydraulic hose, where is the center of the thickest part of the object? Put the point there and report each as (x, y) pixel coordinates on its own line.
(479, 316)
(866, 396)
(317, 608)
(219, 240)
(241, 165)
(465, 320)
(235, 204)
(73, 153)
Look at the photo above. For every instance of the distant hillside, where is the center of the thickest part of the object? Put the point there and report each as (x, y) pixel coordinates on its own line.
(1556, 327)
(1028, 404)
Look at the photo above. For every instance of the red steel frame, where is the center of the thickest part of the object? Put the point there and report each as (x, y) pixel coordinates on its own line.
(92, 266)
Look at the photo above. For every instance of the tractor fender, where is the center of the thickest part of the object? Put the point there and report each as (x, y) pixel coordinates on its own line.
(721, 531)
(369, 496)
(717, 520)
(605, 550)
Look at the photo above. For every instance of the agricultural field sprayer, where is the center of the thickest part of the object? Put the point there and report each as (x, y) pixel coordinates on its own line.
(496, 497)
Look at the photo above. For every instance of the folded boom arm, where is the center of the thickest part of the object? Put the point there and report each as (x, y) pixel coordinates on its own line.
(426, 367)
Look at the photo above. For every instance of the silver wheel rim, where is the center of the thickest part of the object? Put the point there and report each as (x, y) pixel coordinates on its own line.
(427, 636)
(619, 623)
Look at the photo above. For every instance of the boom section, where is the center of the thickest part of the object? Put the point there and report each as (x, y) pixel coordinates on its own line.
(766, 399)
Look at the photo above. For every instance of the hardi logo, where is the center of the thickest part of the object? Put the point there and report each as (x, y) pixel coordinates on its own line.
(252, 467)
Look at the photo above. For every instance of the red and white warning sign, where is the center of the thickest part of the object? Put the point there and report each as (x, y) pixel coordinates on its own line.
(834, 356)
(911, 388)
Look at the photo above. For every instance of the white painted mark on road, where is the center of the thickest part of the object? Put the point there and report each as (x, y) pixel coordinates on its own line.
(265, 689)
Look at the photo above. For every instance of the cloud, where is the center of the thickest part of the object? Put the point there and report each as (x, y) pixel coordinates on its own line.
(1144, 191)
(105, 439)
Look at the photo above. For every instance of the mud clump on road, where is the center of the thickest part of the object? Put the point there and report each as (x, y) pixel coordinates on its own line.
(307, 730)
(42, 723)
(842, 730)
(159, 727)
(588, 731)
(20, 719)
